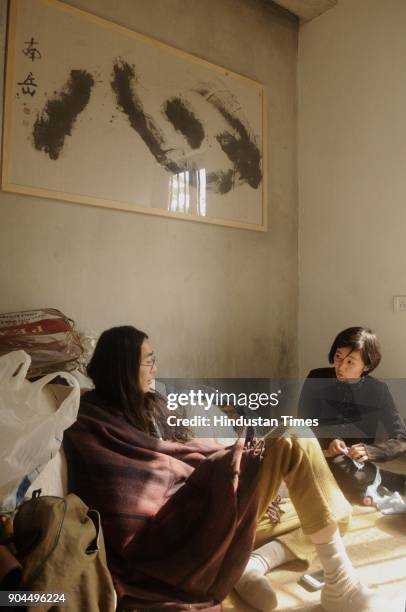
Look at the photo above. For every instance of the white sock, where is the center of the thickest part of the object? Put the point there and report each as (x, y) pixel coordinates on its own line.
(343, 590)
(273, 554)
(253, 586)
(257, 591)
(257, 565)
(337, 567)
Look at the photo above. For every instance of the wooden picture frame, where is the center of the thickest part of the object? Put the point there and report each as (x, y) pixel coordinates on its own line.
(101, 115)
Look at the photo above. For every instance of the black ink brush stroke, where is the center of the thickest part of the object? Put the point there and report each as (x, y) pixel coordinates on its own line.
(183, 119)
(143, 124)
(57, 119)
(221, 181)
(242, 150)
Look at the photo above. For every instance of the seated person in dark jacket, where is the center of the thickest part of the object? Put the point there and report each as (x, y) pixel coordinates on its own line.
(353, 408)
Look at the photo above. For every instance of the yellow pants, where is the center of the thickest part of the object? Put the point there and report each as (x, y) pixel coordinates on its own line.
(317, 500)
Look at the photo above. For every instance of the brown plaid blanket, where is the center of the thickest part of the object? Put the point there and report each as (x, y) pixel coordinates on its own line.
(178, 518)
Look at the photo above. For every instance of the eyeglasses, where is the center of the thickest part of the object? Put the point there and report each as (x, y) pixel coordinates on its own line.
(150, 364)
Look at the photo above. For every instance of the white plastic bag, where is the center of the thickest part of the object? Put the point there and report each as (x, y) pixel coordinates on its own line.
(30, 430)
(388, 503)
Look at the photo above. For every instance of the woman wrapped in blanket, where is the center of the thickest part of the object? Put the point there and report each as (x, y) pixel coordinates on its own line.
(180, 514)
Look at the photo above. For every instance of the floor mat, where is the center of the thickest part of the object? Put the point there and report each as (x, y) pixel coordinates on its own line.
(376, 545)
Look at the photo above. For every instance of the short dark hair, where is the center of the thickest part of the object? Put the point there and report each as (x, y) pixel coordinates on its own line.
(360, 339)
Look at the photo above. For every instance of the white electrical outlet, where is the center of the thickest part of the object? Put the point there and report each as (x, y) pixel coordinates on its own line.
(399, 303)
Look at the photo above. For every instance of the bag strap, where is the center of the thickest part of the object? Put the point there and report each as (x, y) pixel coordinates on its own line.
(45, 380)
(14, 367)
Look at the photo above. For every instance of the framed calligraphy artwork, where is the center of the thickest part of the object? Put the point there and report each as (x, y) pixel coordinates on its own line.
(98, 114)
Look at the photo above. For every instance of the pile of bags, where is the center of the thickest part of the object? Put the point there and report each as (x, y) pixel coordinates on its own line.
(47, 335)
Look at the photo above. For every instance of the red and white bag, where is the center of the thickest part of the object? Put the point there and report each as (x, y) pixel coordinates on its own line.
(46, 334)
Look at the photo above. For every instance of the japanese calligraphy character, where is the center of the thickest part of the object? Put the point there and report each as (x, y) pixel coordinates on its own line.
(30, 51)
(28, 85)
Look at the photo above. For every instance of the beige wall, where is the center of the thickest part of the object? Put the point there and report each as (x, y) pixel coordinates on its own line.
(216, 301)
(352, 178)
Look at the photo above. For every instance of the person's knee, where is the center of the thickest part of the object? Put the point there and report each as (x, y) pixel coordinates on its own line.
(281, 444)
(309, 445)
(290, 449)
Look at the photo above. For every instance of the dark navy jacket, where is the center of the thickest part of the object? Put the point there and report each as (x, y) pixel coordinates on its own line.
(354, 412)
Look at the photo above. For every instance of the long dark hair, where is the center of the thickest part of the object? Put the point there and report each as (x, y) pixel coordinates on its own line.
(114, 369)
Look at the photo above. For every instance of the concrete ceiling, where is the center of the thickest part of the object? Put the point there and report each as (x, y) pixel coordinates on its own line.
(306, 9)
